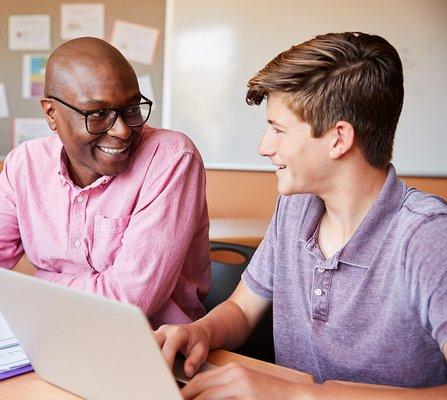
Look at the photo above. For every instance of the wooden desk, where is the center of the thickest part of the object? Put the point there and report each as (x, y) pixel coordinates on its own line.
(30, 387)
(248, 231)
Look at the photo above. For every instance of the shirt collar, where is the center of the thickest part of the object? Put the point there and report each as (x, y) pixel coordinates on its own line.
(360, 249)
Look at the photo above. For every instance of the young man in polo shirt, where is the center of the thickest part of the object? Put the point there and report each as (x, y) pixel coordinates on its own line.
(353, 262)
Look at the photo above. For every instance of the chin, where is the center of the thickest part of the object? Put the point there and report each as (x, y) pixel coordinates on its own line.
(285, 190)
(288, 189)
(113, 170)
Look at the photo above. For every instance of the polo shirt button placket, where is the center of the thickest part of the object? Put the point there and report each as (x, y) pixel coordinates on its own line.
(319, 307)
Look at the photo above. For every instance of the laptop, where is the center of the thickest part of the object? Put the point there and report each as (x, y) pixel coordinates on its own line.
(94, 347)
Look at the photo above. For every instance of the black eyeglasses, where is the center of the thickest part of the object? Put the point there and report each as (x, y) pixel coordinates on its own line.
(100, 121)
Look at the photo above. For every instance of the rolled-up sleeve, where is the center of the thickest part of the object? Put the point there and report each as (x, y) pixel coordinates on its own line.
(11, 248)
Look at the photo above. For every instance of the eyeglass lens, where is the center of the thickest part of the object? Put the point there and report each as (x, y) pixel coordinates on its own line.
(104, 119)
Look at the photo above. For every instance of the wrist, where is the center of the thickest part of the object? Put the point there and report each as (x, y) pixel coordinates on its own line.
(205, 330)
(305, 391)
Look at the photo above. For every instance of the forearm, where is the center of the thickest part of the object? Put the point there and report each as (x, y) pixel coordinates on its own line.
(346, 391)
(226, 325)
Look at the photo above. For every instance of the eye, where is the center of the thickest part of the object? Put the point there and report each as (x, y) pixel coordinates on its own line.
(131, 110)
(100, 113)
(276, 130)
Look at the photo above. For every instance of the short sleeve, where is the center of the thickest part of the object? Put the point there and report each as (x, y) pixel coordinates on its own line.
(258, 276)
(426, 275)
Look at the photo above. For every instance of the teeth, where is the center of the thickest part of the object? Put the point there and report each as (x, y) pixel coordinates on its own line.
(112, 151)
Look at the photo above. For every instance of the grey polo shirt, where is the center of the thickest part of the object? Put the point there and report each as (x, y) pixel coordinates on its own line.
(376, 311)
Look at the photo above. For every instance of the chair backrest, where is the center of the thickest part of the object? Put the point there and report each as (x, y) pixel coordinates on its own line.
(225, 276)
(224, 279)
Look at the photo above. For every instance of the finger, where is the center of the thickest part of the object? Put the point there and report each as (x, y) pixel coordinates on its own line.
(220, 392)
(206, 380)
(173, 343)
(160, 337)
(196, 356)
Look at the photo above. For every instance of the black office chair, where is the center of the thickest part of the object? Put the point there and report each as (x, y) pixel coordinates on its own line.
(224, 279)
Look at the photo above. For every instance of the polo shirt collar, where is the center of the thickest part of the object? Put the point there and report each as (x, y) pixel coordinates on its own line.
(360, 249)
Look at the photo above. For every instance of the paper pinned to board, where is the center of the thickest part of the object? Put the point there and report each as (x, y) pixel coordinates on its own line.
(29, 32)
(4, 110)
(136, 42)
(33, 75)
(79, 20)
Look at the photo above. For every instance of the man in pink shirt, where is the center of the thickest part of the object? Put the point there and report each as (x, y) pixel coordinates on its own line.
(108, 205)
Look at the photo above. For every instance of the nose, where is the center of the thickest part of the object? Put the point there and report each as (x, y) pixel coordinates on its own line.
(267, 145)
(120, 129)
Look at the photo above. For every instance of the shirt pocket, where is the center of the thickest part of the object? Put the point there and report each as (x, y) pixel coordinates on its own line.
(106, 241)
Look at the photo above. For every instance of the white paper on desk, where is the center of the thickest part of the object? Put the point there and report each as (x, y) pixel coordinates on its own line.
(33, 75)
(146, 88)
(30, 128)
(7, 337)
(4, 110)
(136, 42)
(86, 19)
(29, 32)
(12, 357)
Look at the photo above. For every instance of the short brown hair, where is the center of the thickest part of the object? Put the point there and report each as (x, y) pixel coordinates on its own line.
(351, 76)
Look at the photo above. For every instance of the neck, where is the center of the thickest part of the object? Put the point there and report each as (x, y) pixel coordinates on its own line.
(82, 177)
(348, 200)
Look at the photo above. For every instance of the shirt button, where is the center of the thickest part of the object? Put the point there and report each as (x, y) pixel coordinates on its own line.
(318, 292)
(319, 269)
(80, 199)
(77, 243)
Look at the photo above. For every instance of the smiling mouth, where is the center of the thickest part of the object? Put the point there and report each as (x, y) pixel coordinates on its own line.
(113, 151)
(278, 167)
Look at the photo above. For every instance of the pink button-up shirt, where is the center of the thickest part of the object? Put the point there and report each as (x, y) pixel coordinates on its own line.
(140, 236)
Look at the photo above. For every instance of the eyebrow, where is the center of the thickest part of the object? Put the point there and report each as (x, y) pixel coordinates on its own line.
(273, 122)
(102, 103)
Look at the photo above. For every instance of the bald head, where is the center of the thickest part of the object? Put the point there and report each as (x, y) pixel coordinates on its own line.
(76, 59)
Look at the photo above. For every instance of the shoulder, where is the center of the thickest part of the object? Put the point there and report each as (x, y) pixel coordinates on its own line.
(163, 154)
(423, 222)
(163, 143)
(421, 213)
(35, 155)
(424, 204)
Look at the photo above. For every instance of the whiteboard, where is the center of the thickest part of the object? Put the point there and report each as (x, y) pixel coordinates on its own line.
(212, 49)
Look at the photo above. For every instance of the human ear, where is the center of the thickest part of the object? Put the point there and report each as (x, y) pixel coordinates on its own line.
(48, 109)
(342, 139)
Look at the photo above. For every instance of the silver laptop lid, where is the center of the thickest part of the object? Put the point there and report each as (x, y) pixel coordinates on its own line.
(89, 345)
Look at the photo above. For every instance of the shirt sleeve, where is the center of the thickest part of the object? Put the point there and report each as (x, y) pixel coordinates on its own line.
(11, 248)
(258, 276)
(169, 216)
(426, 275)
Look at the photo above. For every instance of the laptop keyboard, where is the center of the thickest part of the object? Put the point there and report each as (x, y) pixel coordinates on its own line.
(179, 371)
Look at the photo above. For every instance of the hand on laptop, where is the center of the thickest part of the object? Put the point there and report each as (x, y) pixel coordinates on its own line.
(192, 340)
(233, 381)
